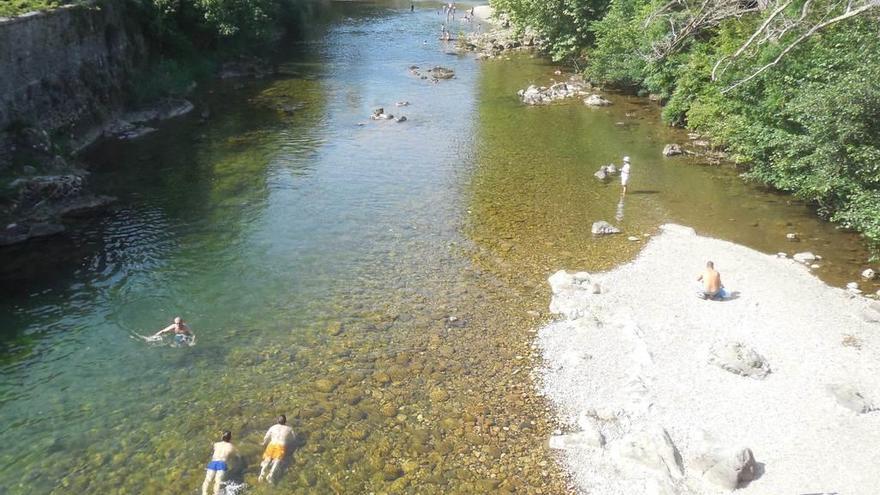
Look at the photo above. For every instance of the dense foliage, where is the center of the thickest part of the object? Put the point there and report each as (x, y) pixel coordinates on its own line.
(12, 8)
(798, 106)
(190, 36)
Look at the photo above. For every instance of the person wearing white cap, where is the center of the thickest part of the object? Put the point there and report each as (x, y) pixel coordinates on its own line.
(624, 175)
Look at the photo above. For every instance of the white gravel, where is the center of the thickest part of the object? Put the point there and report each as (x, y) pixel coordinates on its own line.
(637, 356)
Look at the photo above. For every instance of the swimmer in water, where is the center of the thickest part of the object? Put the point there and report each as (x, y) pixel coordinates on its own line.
(278, 438)
(182, 333)
(218, 467)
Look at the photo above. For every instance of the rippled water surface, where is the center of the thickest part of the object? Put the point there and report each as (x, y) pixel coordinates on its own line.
(375, 281)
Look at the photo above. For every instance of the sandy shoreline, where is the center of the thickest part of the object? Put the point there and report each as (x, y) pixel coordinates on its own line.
(626, 364)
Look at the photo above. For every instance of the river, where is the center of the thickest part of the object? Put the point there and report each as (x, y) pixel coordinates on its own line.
(378, 282)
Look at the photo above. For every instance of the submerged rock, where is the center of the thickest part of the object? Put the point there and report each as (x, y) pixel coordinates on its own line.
(84, 205)
(439, 72)
(20, 232)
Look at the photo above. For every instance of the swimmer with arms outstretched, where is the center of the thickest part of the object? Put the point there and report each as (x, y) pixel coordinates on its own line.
(278, 437)
(218, 466)
(182, 332)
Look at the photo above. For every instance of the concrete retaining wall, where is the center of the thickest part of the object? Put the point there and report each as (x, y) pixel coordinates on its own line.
(67, 70)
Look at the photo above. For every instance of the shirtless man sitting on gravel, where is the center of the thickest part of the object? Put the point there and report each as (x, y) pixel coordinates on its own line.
(712, 286)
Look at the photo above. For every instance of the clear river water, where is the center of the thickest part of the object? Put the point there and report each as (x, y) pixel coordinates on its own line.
(378, 282)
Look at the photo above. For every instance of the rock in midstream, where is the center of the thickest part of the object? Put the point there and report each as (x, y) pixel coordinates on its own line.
(672, 150)
(534, 95)
(604, 228)
(595, 100)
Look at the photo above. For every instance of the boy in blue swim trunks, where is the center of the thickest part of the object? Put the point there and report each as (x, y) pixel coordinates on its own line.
(218, 466)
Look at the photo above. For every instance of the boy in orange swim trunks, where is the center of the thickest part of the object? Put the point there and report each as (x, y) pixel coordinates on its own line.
(277, 437)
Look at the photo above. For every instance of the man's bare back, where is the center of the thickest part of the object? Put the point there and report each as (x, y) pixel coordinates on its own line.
(712, 286)
(711, 280)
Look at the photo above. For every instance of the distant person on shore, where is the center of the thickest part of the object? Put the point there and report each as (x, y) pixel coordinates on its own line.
(412, 7)
(624, 175)
(278, 438)
(218, 466)
(182, 333)
(712, 286)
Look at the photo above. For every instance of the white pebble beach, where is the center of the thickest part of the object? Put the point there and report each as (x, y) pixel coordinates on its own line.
(635, 357)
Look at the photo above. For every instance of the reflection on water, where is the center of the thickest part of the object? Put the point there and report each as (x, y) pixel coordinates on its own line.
(320, 258)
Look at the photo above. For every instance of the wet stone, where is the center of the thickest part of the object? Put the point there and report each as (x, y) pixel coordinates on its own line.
(391, 472)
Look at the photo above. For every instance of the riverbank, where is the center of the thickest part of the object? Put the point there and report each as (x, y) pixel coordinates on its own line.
(657, 398)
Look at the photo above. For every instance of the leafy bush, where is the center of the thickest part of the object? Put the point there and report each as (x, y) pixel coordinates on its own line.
(565, 22)
(12, 8)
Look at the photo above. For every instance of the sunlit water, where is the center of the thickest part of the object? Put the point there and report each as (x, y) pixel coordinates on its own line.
(369, 279)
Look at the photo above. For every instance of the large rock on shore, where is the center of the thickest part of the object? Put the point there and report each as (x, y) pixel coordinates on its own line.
(651, 448)
(133, 125)
(48, 188)
(570, 292)
(727, 469)
(740, 359)
(849, 397)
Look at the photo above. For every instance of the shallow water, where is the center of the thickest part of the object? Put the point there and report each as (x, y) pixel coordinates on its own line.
(369, 279)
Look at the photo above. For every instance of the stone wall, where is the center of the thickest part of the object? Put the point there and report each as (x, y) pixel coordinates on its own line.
(67, 70)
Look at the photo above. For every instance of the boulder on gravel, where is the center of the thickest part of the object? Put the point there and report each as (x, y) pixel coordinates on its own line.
(727, 469)
(739, 359)
(651, 448)
(849, 397)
